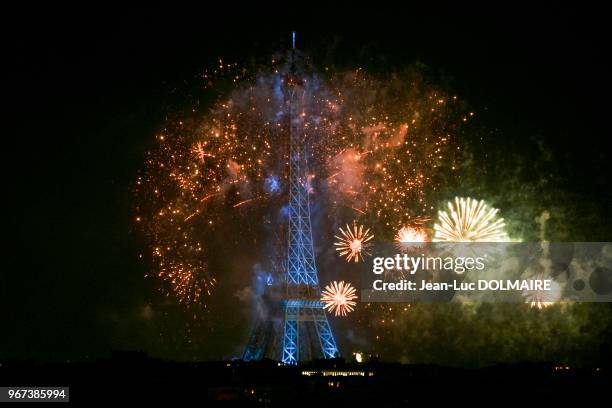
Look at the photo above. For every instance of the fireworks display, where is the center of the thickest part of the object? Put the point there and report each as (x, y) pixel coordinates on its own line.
(378, 149)
(469, 220)
(339, 298)
(383, 150)
(353, 243)
(372, 145)
(203, 184)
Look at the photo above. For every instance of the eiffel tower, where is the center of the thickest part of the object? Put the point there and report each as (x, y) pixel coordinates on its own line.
(296, 329)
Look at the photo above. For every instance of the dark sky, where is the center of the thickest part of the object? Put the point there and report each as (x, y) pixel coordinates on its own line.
(87, 88)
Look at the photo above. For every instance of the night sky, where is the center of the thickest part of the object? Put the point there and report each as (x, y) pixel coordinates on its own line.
(87, 90)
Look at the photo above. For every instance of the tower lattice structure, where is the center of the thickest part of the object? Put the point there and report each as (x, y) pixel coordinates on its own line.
(298, 329)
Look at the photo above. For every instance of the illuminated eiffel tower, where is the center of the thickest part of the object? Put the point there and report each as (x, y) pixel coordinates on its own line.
(306, 333)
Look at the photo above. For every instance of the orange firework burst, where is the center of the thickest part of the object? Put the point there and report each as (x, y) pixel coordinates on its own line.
(339, 298)
(354, 243)
(407, 235)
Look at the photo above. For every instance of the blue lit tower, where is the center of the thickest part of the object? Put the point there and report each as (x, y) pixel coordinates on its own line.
(306, 333)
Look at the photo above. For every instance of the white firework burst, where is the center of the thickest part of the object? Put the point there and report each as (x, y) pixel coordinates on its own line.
(469, 220)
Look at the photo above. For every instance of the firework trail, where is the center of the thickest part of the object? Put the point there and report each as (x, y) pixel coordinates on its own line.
(339, 298)
(469, 220)
(353, 243)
